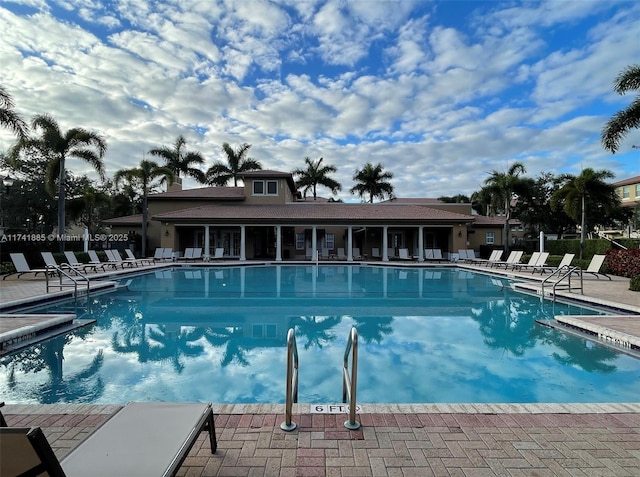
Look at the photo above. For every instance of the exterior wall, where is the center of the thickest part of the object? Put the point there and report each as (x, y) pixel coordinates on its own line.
(283, 195)
(631, 191)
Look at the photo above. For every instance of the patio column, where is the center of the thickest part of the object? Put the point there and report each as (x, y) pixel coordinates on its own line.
(243, 243)
(385, 244)
(278, 243)
(350, 244)
(207, 247)
(314, 244)
(420, 244)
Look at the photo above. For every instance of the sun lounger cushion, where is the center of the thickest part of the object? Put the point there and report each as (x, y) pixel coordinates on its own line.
(142, 439)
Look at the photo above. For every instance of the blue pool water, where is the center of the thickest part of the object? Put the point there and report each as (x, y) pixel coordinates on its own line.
(219, 334)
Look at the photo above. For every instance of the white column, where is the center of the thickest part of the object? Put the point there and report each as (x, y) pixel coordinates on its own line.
(350, 244)
(314, 243)
(278, 279)
(206, 243)
(385, 244)
(420, 244)
(278, 243)
(243, 243)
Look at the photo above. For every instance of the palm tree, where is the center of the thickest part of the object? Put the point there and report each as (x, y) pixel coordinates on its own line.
(181, 162)
(146, 173)
(503, 186)
(316, 174)
(581, 193)
(621, 122)
(237, 163)
(373, 181)
(58, 147)
(8, 117)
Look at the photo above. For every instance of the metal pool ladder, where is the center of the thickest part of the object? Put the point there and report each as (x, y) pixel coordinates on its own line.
(561, 274)
(349, 383)
(292, 380)
(74, 276)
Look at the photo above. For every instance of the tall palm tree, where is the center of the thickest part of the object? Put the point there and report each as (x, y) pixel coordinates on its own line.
(181, 162)
(58, 146)
(623, 121)
(237, 163)
(373, 181)
(580, 193)
(146, 173)
(8, 117)
(503, 186)
(316, 174)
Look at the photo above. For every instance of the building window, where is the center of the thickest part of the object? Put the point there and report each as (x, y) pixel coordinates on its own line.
(490, 238)
(637, 191)
(259, 188)
(330, 241)
(626, 190)
(300, 241)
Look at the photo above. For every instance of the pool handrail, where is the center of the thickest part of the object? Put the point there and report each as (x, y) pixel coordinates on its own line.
(349, 384)
(60, 270)
(292, 380)
(563, 273)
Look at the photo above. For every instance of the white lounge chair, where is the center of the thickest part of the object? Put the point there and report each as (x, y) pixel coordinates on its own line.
(157, 256)
(95, 260)
(49, 259)
(564, 264)
(142, 439)
(114, 257)
(355, 253)
(167, 254)
(538, 261)
(188, 254)
(513, 258)
(218, 254)
(403, 254)
(73, 261)
(341, 254)
(375, 253)
(595, 265)
(141, 261)
(22, 267)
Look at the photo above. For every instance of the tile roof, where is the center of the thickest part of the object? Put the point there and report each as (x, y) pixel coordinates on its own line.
(629, 181)
(317, 213)
(135, 219)
(202, 193)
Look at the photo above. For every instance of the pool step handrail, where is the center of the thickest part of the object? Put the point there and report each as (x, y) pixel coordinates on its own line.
(73, 275)
(350, 383)
(562, 274)
(292, 381)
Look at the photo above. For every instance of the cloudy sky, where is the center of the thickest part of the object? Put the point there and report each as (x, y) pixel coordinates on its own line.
(440, 92)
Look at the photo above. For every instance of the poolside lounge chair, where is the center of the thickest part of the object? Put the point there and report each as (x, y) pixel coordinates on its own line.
(95, 260)
(513, 258)
(141, 261)
(22, 267)
(538, 260)
(188, 254)
(114, 257)
(403, 254)
(564, 264)
(391, 253)
(49, 260)
(375, 253)
(595, 265)
(341, 255)
(142, 439)
(218, 254)
(355, 253)
(157, 256)
(495, 256)
(73, 261)
(167, 254)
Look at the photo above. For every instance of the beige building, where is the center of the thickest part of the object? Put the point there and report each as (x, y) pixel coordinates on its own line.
(268, 219)
(629, 191)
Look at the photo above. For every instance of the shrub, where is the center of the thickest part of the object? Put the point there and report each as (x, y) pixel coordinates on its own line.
(634, 284)
(624, 263)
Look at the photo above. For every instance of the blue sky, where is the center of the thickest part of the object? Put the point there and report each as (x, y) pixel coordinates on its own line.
(440, 92)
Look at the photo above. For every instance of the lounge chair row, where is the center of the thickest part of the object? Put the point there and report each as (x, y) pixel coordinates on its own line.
(142, 439)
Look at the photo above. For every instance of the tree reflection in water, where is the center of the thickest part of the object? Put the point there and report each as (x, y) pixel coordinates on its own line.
(316, 329)
(83, 386)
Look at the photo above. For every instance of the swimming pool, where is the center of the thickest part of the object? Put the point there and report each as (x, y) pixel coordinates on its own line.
(219, 334)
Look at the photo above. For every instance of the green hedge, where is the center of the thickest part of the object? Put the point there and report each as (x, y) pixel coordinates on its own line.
(591, 247)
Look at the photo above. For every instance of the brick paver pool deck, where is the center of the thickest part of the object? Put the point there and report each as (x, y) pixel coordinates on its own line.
(396, 440)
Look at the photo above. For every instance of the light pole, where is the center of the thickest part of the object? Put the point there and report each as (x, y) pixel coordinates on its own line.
(7, 183)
